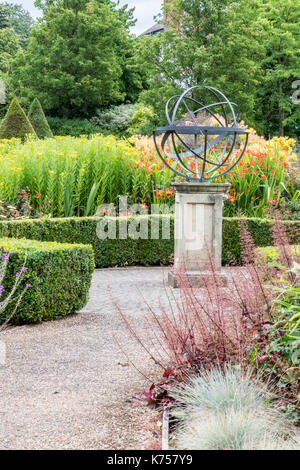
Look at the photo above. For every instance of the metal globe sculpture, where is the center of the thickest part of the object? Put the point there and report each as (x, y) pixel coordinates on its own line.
(201, 142)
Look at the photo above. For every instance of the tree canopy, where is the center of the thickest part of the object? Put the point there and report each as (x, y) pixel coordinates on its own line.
(209, 42)
(249, 50)
(9, 47)
(75, 59)
(14, 16)
(280, 21)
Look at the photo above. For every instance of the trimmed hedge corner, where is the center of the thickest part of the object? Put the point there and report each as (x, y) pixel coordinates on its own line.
(60, 277)
(131, 252)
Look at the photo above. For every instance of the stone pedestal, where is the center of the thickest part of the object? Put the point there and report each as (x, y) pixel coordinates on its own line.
(198, 228)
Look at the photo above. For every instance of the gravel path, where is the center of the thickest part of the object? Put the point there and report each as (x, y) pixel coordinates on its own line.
(66, 385)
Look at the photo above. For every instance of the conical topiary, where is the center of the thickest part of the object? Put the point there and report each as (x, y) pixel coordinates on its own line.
(16, 124)
(38, 120)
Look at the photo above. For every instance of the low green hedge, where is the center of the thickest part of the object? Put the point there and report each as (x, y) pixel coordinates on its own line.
(136, 252)
(59, 274)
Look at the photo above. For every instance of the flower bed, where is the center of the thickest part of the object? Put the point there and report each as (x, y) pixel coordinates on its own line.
(68, 176)
(59, 276)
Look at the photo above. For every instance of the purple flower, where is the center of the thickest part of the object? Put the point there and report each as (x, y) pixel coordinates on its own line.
(17, 274)
(28, 285)
(1, 290)
(5, 256)
(24, 270)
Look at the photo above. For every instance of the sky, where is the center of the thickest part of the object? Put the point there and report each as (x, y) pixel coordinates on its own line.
(145, 10)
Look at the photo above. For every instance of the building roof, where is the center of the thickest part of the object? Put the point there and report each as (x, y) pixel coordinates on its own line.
(157, 28)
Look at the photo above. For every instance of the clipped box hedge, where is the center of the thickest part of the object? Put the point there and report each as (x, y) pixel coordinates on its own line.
(136, 252)
(59, 274)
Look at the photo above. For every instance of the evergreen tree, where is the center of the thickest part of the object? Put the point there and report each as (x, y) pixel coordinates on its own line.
(38, 120)
(16, 124)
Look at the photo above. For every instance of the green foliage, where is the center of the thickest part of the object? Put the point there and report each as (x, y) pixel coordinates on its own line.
(14, 16)
(126, 119)
(280, 34)
(59, 275)
(74, 127)
(211, 42)
(115, 119)
(271, 253)
(285, 333)
(73, 62)
(142, 121)
(9, 46)
(249, 50)
(260, 230)
(38, 120)
(109, 252)
(157, 55)
(64, 170)
(123, 252)
(16, 124)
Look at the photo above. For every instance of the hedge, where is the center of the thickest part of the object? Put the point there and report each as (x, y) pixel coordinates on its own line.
(59, 274)
(136, 252)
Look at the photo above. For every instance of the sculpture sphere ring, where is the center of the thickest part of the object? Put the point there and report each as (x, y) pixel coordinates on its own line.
(201, 142)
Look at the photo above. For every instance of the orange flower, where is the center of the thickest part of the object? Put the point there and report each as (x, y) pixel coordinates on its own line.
(263, 177)
(169, 192)
(231, 198)
(38, 195)
(286, 164)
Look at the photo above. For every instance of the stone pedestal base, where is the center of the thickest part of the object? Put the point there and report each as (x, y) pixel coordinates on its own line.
(198, 279)
(198, 227)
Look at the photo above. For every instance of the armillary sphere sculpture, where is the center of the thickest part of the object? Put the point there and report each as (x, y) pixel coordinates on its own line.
(201, 142)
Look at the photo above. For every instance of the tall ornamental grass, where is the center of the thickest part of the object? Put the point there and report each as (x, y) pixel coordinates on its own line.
(68, 176)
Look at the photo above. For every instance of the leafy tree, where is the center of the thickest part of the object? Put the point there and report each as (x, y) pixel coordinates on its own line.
(4, 19)
(277, 113)
(16, 124)
(38, 120)
(9, 46)
(14, 16)
(158, 57)
(213, 42)
(74, 59)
